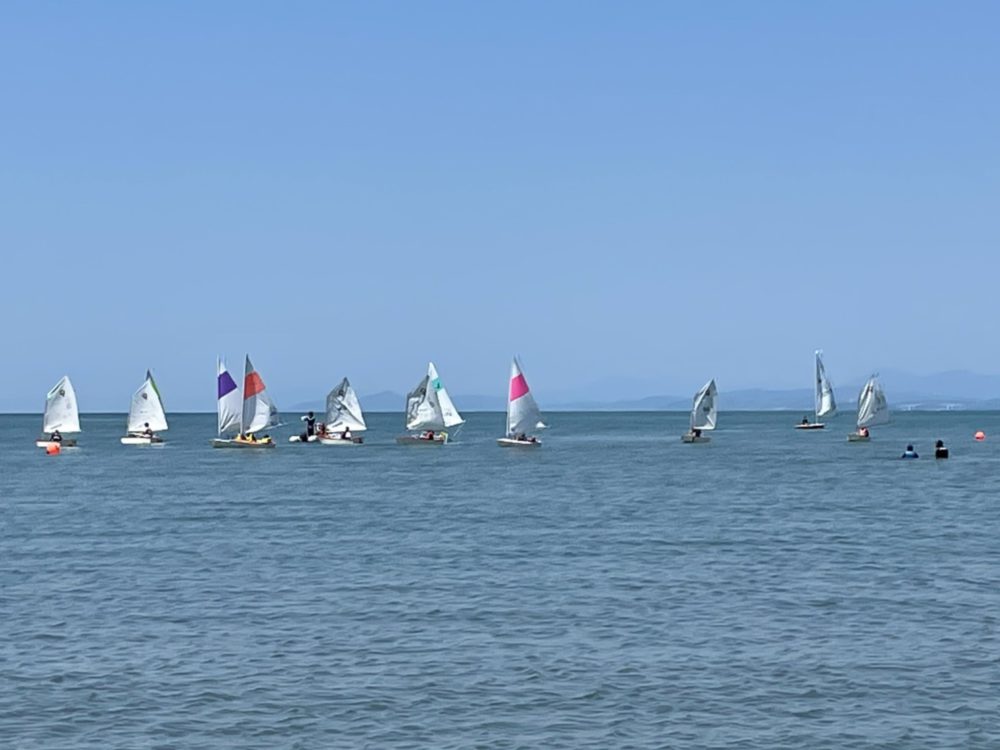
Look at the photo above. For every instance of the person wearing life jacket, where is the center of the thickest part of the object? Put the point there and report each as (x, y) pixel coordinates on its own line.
(940, 451)
(147, 430)
(805, 420)
(429, 435)
(56, 436)
(863, 431)
(310, 421)
(909, 453)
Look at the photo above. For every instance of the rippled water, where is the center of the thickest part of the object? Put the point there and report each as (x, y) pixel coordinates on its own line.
(773, 589)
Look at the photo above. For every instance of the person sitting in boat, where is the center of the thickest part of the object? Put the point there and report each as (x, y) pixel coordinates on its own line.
(805, 420)
(346, 434)
(55, 437)
(522, 437)
(428, 435)
(863, 432)
(940, 451)
(696, 432)
(909, 453)
(321, 429)
(147, 431)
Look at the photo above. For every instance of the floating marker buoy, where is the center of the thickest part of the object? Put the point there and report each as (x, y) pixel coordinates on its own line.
(980, 435)
(52, 449)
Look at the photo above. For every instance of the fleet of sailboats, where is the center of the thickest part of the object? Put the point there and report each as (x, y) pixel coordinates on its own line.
(826, 404)
(145, 415)
(523, 415)
(873, 410)
(62, 416)
(430, 413)
(704, 414)
(243, 415)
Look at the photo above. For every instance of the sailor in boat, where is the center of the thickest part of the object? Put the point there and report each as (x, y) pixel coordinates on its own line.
(55, 437)
(428, 435)
(147, 432)
(696, 432)
(321, 429)
(346, 434)
(940, 451)
(909, 453)
(310, 421)
(805, 420)
(863, 432)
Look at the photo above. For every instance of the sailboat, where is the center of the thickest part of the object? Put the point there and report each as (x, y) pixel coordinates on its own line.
(522, 412)
(145, 415)
(429, 412)
(344, 417)
(62, 417)
(704, 414)
(873, 410)
(239, 422)
(826, 404)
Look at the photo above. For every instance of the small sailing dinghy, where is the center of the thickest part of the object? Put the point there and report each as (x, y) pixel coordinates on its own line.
(62, 417)
(145, 415)
(344, 418)
(704, 414)
(239, 422)
(429, 412)
(522, 412)
(873, 409)
(826, 404)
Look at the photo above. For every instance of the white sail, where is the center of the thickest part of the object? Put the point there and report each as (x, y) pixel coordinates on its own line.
(61, 412)
(523, 415)
(147, 408)
(704, 411)
(259, 412)
(343, 410)
(429, 407)
(230, 404)
(826, 405)
(873, 409)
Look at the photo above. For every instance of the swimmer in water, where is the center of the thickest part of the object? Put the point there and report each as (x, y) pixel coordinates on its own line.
(909, 453)
(940, 451)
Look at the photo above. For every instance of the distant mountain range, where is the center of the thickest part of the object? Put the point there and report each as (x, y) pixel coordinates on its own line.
(955, 390)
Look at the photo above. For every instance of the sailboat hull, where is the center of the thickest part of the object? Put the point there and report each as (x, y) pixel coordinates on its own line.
(341, 441)
(439, 439)
(856, 438)
(687, 437)
(141, 440)
(514, 443)
(298, 439)
(224, 443)
(65, 443)
(810, 426)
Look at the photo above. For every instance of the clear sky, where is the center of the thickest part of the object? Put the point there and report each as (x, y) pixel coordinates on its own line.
(648, 192)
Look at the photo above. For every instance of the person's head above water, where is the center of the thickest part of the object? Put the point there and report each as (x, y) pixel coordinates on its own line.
(310, 414)
(939, 444)
(909, 448)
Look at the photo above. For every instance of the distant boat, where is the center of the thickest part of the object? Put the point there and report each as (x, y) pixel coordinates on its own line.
(826, 404)
(873, 409)
(239, 422)
(62, 417)
(344, 418)
(704, 414)
(429, 412)
(523, 415)
(145, 415)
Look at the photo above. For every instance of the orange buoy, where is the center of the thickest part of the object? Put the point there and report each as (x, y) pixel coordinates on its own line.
(52, 449)
(980, 435)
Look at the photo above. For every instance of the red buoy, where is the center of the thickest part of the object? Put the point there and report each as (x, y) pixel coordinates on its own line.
(980, 435)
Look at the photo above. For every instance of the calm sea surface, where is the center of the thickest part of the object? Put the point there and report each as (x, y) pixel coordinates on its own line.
(773, 589)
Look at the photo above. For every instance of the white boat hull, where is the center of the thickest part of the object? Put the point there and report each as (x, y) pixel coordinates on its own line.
(65, 443)
(224, 443)
(141, 440)
(341, 441)
(811, 426)
(856, 438)
(514, 443)
(439, 439)
(687, 437)
(298, 439)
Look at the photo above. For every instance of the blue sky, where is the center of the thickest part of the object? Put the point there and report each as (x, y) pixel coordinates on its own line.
(652, 192)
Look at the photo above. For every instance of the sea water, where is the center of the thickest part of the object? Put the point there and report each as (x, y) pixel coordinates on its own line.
(614, 588)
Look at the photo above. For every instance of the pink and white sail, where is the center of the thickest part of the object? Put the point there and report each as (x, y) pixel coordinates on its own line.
(523, 415)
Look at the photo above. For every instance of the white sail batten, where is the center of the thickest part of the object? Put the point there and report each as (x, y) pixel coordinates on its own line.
(61, 411)
(343, 409)
(230, 405)
(259, 412)
(147, 408)
(826, 404)
(704, 411)
(873, 409)
(429, 407)
(523, 414)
